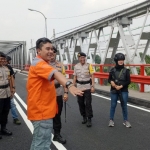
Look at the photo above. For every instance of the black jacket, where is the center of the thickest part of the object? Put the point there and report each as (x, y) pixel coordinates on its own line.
(124, 79)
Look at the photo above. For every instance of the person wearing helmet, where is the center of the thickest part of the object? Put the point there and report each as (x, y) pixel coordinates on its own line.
(119, 78)
(12, 103)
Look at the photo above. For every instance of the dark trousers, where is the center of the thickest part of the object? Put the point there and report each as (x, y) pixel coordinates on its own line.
(85, 104)
(4, 111)
(57, 118)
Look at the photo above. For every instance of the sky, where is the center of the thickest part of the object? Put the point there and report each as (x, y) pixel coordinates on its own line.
(20, 24)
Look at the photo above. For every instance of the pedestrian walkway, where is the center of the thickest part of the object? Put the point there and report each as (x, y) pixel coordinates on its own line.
(135, 97)
(132, 93)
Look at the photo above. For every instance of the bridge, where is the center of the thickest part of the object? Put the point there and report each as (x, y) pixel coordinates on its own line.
(126, 31)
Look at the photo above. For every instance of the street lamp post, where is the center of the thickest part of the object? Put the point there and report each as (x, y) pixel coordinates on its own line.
(44, 18)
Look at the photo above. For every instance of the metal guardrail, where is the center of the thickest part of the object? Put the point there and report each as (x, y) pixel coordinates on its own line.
(101, 75)
(141, 79)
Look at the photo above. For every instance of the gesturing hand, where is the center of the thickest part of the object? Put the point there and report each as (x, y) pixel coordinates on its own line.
(74, 91)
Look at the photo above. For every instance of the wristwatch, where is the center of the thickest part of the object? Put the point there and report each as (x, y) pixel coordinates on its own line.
(68, 83)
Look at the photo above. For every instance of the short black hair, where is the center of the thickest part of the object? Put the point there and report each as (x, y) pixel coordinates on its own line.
(2, 54)
(8, 58)
(41, 41)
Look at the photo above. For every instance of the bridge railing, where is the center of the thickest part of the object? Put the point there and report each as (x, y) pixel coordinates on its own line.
(101, 73)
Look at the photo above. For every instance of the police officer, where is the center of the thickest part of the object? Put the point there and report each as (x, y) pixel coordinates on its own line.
(59, 91)
(84, 79)
(5, 94)
(119, 78)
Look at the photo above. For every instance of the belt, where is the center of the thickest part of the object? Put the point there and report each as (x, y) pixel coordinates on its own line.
(4, 86)
(83, 82)
(57, 86)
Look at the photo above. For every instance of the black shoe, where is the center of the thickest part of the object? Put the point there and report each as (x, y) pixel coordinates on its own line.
(6, 132)
(89, 123)
(84, 120)
(58, 138)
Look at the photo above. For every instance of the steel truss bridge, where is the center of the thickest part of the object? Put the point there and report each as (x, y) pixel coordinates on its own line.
(127, 31)
(92, 39)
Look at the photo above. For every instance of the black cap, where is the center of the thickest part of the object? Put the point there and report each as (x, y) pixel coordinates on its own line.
(81, 54)
(2, 54)
(119, 56)
(55, 50)
(8, 58)
(42, 40)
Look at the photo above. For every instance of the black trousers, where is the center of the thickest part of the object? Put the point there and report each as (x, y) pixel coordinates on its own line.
(57, 119)
(4, 111)
(85, 104)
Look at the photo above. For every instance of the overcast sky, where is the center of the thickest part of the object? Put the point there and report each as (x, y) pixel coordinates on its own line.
(20, 24)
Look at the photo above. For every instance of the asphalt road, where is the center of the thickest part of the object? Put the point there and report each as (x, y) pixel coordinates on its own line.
(79, 137)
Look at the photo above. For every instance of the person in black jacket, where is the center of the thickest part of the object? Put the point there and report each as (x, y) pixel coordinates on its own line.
(119, 78)
(12, 103)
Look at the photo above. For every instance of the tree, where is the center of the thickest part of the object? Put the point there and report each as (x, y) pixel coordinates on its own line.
(97, 59)
(147, 58)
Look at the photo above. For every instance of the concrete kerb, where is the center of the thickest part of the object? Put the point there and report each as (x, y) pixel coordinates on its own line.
(132, 100)
(24, 72)
(20, 71)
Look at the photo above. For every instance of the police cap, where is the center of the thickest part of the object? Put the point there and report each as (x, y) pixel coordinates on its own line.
(81, 54)
(119, 56)
(8, 58)
(55, 50)
(2, 54)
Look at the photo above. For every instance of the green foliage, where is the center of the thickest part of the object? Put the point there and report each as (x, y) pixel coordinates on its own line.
(133, 86)
(97, 59)
(147, 60)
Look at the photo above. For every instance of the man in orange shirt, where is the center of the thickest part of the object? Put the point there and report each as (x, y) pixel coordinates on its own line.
(41, 99)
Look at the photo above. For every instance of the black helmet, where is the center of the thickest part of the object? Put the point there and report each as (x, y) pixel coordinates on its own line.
(8, 58)
(119, 56)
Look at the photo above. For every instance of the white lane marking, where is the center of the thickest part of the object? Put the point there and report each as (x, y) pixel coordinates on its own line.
(29, 124)
(23, 73)
(119, 102)
(21, 101)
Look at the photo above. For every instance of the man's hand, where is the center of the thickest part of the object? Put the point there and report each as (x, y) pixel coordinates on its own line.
(113, 84)
(13, 90)
(65, 97)
(12, 93)
(92, 89)
(74, 91)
